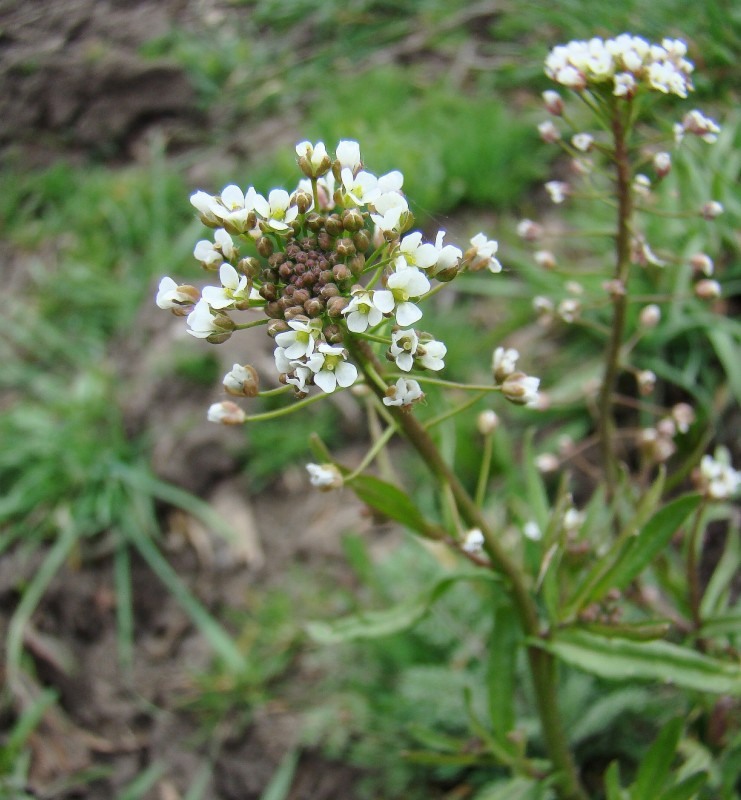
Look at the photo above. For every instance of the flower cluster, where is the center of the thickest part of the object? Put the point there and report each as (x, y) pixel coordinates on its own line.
(331, 262)
(627, 62)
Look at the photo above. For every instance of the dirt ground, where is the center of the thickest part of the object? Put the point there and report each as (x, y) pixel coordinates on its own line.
(72, 82)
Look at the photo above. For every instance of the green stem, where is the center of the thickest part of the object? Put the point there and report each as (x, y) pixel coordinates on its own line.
(542, 664)
(693, 567)
(606, 421)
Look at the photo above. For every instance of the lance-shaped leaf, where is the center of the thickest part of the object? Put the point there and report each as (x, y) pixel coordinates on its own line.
(393, 503)
(624, 659)
(654, 768)
(375, 624)
(633, 553)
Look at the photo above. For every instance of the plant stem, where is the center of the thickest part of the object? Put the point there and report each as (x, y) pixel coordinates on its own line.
(542, 664)
(606, 421)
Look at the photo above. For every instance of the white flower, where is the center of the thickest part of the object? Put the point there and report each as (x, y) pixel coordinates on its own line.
(447, 255)
(474, 541)
(360, 189)
(718, 479)
(313, 158)
(391, 182)
(582, 142)
(348, 154)
(487, 422)
(697, 123)
(227, 413)
(277, 211)
(532, 531)
(389, 212)
(568, 309)
(404, 393)
(553, 102)
(642, 185)
(481, 254)
(362, 312)
(548, 132)
(300, 378)
(403, 348)
(431, 354)
(521, 389)
(325, 476)
(625, 85)
(232, 208)
(573, 520)
(529, 230)
(241, 381)
(503, 362)
(557, 190)
(402, 287)
(711, 209)
(233, 288)
(172, 295)
(201, 323)
(331, 368)
(298, 342)
(413, 253)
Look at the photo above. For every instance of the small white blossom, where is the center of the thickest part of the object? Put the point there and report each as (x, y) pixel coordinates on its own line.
(401, 288)
(360, 189)
(431, 354)
(532, 531)
(348, 154)
(553, 102)
(300, 378)
(413, 252)
(557, 191)
(701, 262)
(718, 479)
(528, 230)
(201, 323)
(548, 132)
(232, 290)
(482, 254)
(277, 212)
(362, 312)
(474, 542)
(650, 316)
(711, 209)
(241, 381)
(404, 393)
(403, 348)
(696, 123)
(448, 255)
(521, 389)
(582, 142)
(662, 163)
(503, 363)
(171, 295)
(227, 413)
(325, 476)
(212, 253)
(299, 341)
(313, 158)
(331, 368)
(389, 212)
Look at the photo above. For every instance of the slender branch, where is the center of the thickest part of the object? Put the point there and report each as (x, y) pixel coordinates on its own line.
(606, 421)
(542, 664)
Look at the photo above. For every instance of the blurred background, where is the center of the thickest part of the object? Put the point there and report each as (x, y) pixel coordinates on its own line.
(156, 570)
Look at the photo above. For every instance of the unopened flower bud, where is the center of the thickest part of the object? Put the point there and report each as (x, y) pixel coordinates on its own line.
(503, 363)
(325, 476)
(684, 415)
(487, 422)
(528, 230)
(345, 247)
(361, 240)
(313, 160)
(314, 307)
(557, 191)
(545, 259)
(474, 542)
(314, 221)
(569, 310)
(553, 102)
(352, 219)
(667, 427)
(614, 287)
(701, 262)
(341, 273)
(646, 381)
(249, 266)
(521, 389)
(333, 225)
(650, 316)
(242, 381)
(269, 292)
(711, 210)
(265, 246)
(277, 326)
(662, 164)
(333, 334)
(707, 289)
(336, 305)
(548, 132)
(227, 413)
(547, 462)
(582, 142)
(302, 200)
(448, 274)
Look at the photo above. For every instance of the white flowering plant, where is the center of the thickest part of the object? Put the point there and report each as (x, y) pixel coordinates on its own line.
(336, 273)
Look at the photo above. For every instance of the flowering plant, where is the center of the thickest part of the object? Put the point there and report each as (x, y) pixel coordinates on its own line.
(340, 279)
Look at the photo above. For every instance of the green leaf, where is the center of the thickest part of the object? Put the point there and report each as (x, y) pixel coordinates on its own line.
(686, 789)
(392, 502)
(375, 624)
(537, 496)
(514, 789)
(634, 551)
(725, 572)
(727, 351)
(622, 659)
(501, 668)
(280, 784)
(613, 790)
(654, 768)
(722, 625)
